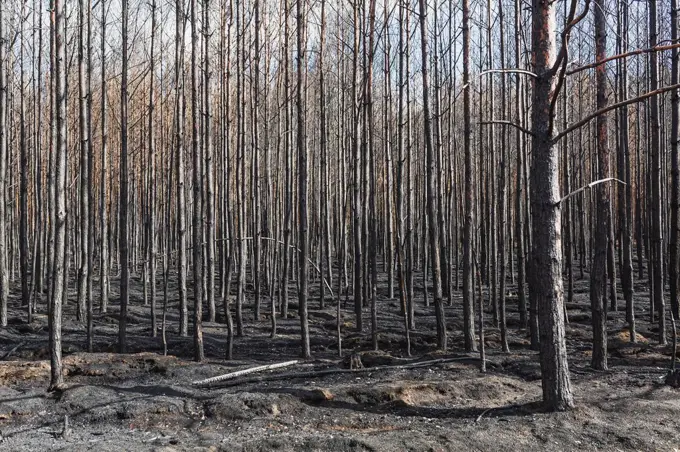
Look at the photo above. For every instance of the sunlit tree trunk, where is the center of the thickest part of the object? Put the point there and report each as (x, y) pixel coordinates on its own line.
(58, 182)
(545, 280)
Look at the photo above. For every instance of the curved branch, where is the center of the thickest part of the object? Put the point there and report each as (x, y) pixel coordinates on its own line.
(508, 71)
(571, 23)
(623, 55)
(611, 107)
(561, 61)
(590, 185)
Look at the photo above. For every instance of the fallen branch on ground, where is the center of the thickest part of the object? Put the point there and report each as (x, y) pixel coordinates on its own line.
(9, 353)
(479, 418)
(324, 372)
(240, 373)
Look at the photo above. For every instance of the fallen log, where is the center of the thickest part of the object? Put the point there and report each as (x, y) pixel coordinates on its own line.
(334, 371)
(240, 373)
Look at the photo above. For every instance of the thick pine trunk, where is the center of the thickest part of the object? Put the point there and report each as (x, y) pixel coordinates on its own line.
(545, 280)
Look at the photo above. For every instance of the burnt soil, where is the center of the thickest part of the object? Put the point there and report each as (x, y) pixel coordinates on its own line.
(146, 401)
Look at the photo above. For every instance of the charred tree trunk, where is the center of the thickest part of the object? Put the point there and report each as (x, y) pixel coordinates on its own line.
(432, 193)
(545, 281)
(598, 274)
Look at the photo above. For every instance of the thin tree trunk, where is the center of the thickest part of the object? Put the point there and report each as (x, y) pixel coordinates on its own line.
(256, 166)
(123, 195)
(598, 274)
(432, 202)
(104, 176)
(468, 269)
(4, 131)
(58, 181)
(180, 111)
(401, 208)
(519, 195)
(302, 178)
(89, 231)
(502, 195)
(83, 93)
(209, 167)
(356, 154)
(23, 180)
(197, 227)
(674, 248)
(151, 147)
(287, 219)
(656, 200)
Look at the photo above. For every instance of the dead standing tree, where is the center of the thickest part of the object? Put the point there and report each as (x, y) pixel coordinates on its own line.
(58, 182)
(123, 195)
(432, 192)
(303, 215)
(4, 131)
(598, 278)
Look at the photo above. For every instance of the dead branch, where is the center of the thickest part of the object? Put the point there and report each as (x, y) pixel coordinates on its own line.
(507, 123)
(325, 372)
(611, 107)
(240, 373)
(9, 353)
(623, 55)
(508, 71)
(590, 185)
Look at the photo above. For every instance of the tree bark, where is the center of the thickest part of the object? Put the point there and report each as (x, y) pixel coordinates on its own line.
(432, 193)
(545, 282)
(197, 226)
(58, 181)
(302, 178)
(123, 196)
(468, 268)
(656, 199)
(598, 274)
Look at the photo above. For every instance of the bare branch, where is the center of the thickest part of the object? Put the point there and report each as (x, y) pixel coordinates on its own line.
(508, 71)
(239, 373)
(611, 107)
(507, 123)
(571, 23)
(590, 185)
(561, 61)
(623, 55)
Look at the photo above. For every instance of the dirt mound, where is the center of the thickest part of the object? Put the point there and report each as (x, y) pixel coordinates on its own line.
(115, 365)
(16, 372)
(247, 406)
(88, 365)
(477, 392)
